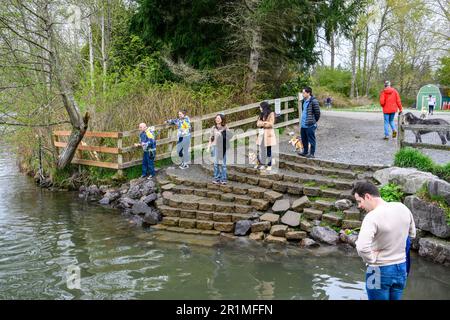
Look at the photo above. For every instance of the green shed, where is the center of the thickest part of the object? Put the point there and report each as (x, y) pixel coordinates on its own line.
(422, 97)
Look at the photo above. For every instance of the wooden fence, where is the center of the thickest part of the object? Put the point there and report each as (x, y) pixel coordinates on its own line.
(402, 127)
(128, 156)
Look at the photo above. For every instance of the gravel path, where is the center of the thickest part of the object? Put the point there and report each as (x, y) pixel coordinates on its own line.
(357, 138)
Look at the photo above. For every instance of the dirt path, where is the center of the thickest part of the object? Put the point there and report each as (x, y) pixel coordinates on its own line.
(357, 137)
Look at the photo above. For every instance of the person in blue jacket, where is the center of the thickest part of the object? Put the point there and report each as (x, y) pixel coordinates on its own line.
(184, 137)
(148, 143)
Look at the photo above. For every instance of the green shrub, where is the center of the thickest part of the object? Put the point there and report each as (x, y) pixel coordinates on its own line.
(413, 158)
(392, 192)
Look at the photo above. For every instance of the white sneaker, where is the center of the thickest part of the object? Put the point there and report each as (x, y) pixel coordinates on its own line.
(262, 168)
(185, 166)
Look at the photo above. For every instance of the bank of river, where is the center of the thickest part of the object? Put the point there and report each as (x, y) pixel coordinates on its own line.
(43, 234)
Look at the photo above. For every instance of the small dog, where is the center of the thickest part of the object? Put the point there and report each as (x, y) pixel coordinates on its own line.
(412, 119)
(252, 158)
(296, 143)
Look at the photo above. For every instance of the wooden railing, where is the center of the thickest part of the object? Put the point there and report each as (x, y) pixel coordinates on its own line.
(117, 140)
(402, 127)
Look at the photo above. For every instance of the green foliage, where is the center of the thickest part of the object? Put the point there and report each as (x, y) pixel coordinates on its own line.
(443, 73)
(413, 158)
(392, 192)
(338, 80)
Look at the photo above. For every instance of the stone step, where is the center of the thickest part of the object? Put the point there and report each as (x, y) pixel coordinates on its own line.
(198, 224)
(351, 224)
(358, 168)
(266, 180)
(192, 202)
(167, 211)
(332, 218)
(312, 169)
(282, 186)
(323, 205)
(212, 193)
(185, 230)
(312, 214)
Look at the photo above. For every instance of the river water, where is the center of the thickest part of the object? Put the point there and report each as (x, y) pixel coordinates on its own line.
(46, 238)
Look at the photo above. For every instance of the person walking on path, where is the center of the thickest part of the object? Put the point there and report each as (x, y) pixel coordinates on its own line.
(219, 144)
(381, 242)
(308, 125)
(266, 136)
(391, 103)
(431, 104)
(148, 143)
(328, 102)
(184, 137)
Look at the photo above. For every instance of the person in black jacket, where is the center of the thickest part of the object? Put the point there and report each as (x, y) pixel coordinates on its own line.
(308, 124)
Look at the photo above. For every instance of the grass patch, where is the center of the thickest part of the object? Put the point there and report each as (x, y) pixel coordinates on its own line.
(310, 184)
(412, 158)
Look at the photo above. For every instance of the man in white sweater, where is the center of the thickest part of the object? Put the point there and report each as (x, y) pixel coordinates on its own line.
(381, 242)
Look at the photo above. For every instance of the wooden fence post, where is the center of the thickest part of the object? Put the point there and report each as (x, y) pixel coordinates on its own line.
(401, 132)
(120, 155)
(286, 107)
(300, 99)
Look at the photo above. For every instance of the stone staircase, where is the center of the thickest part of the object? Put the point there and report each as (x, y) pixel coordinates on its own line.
(287, 203)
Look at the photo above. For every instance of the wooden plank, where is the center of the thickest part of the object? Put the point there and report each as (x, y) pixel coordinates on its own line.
(110, 150)
(96, 134)
(429, 128)
(426, 146)
(93, 163)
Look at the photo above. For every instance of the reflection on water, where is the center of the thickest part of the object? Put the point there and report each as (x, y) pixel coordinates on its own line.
(43, 234)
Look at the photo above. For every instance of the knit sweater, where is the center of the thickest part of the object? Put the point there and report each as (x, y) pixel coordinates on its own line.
(383, 234)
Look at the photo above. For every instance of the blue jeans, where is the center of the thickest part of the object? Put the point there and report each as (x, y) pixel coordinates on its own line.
(183, 145)
(148, 164)
(220, 170)
(386, 282)
(308, 136)
(388, 121)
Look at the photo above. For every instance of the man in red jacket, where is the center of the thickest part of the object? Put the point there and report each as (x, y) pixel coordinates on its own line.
(390, 102)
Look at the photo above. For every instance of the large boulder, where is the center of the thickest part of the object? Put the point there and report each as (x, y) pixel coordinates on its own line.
(242, 227)
(419, 235)
(149, 198)
(151, 218)
(428, 217)
(125, 203)
(147, 187)
(410, 179)
(437, 250)
(134, 192)
(324, 234)
(439, 187)
(141, 208)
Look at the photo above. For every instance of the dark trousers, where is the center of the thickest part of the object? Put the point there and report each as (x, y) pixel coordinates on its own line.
(148, 164)
(308, 136)
(430, 109)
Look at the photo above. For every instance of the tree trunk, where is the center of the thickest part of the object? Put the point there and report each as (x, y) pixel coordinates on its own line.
(255, 57)
(332, 51)
(104, 56)
(352, 87)
(79, 123)
(377, 48)
(366, 48)
(91, 55)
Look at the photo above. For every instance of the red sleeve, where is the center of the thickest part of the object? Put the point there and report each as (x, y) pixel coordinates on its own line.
(382, 99)
(399, 103)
